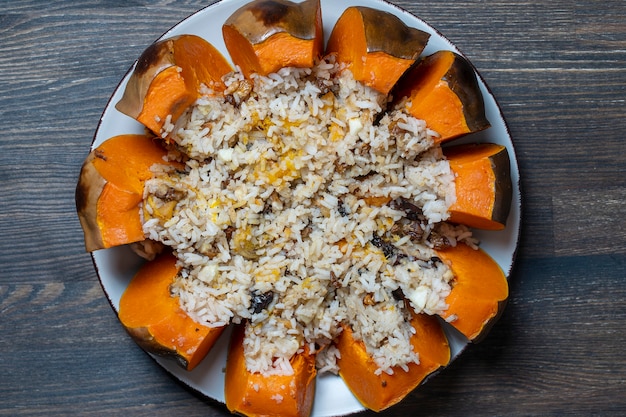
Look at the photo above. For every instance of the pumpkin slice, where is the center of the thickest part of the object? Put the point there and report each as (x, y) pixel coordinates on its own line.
(376, 46)
(266, 35)
(378, 392)
(254, 394)
(154, 319)
(483, 185)
(167, 79)
(479, 290)
(442, 89)
(110, 189)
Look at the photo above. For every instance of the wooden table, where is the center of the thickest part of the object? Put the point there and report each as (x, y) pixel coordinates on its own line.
(557, 68)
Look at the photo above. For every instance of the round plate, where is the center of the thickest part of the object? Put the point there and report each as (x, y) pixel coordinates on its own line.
(115, 267)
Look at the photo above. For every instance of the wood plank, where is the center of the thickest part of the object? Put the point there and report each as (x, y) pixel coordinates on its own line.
(590, 222)
(557, 68)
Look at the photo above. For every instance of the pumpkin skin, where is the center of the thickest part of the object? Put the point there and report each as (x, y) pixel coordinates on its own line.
(479, 290)
(378, 392)
(154, 319)
(267, 35)
(110, 189)
(167, 79)
(376, 46)
(483, 185)
(254, 394)
(442, 90)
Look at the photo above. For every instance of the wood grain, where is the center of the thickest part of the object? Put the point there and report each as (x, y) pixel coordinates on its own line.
(558, 70)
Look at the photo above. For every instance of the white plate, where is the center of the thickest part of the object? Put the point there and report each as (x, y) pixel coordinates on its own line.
(116, 266)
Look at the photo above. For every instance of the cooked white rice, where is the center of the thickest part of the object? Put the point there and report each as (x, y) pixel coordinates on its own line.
(285, 217)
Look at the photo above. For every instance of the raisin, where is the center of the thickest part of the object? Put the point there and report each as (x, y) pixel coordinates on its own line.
(438, 240)
(413, 212)
(342, 209)
(260, 301)
(389, 250)
(413, 229)
(398, 295)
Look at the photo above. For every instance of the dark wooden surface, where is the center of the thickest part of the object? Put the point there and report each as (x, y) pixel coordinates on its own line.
(557, 68)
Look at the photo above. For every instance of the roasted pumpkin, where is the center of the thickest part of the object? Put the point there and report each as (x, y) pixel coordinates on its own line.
(264, 36)
(253, 394)
(376, 46)
(442, 89)
(110, 189)
(154, 319)
(380, 391)
(479, 290)
(167, 77)
(483, 185)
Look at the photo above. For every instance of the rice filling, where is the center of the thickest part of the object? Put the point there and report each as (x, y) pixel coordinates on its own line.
(305, 204)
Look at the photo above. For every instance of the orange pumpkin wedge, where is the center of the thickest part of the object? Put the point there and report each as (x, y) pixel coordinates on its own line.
(167, 79)
(442, 90)
(479, 290)
(253, 394)
(378, 392)
(266, 35)
(376, 46)
(110, 189)
(155, 320)
(483, 185)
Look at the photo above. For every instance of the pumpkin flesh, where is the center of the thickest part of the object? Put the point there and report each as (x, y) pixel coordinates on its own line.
(483, 185)
(110, 189)
(479, 290)
(167, 79)
(265, 36)
(167, 96)
(442, 90)
(154, 319)
(254, 394)
(378, 391)
(375, 46)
